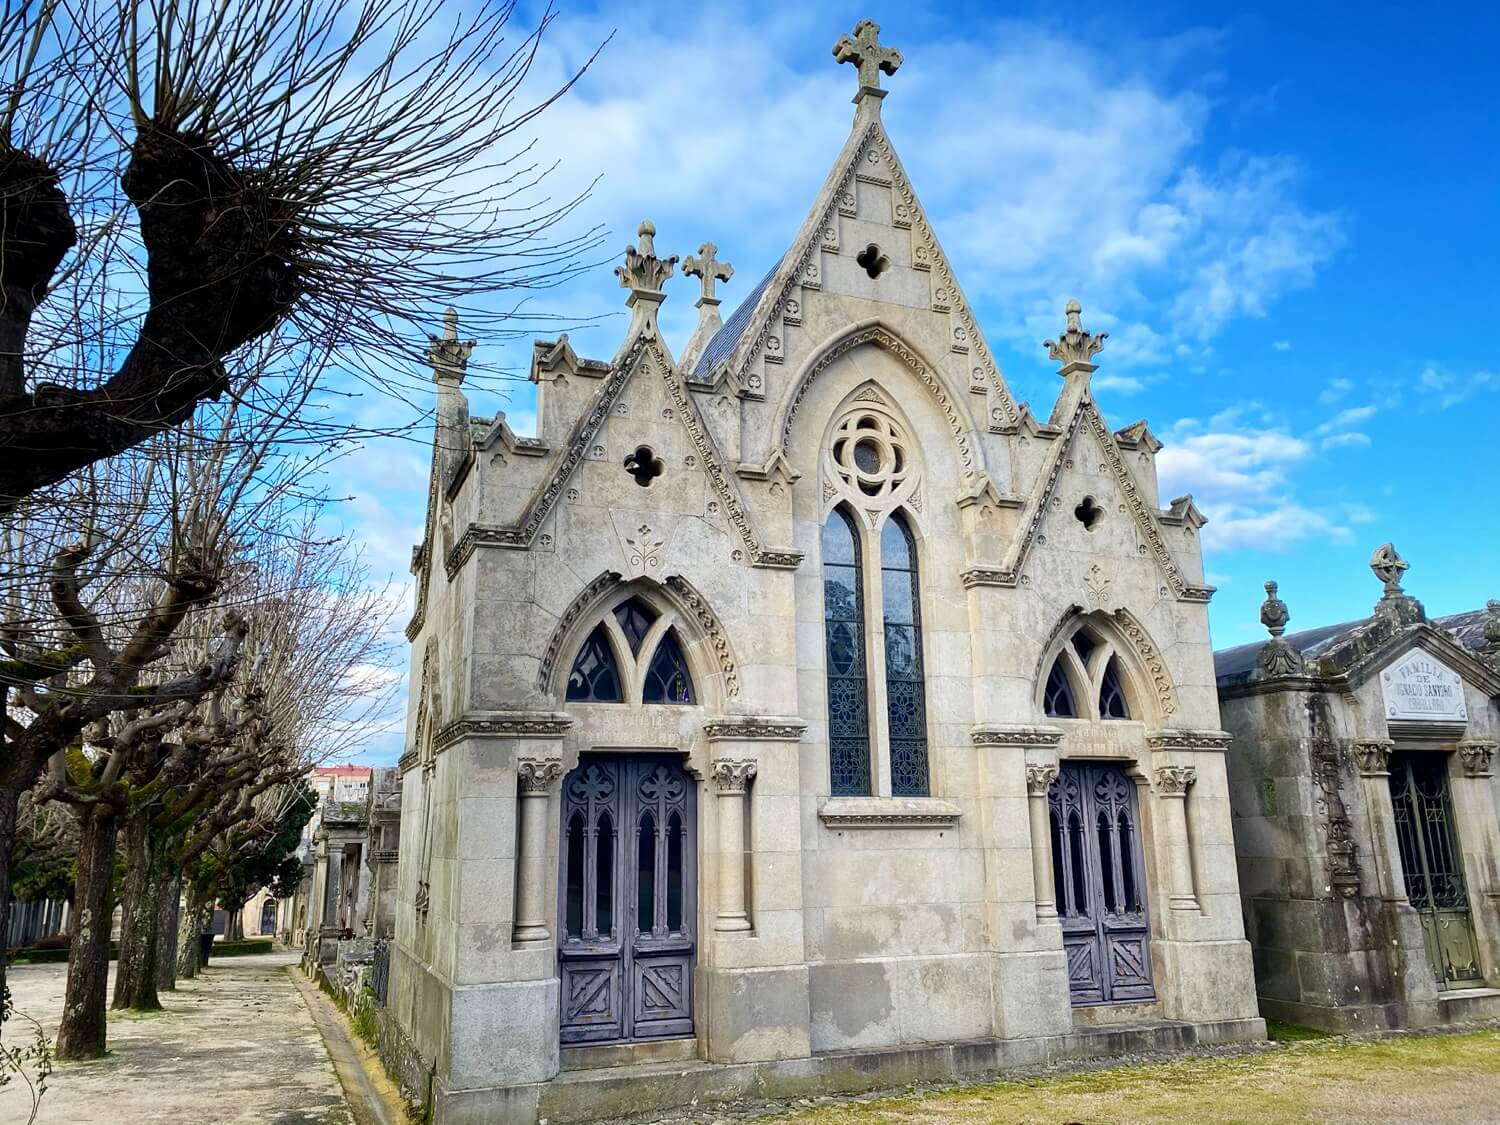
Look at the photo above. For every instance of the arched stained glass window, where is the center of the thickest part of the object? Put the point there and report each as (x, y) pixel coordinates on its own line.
(1111, 696)
(906, 704)
(594, 678)
(635, 618)
(667, 679)
(1057, 700)
(844, 638)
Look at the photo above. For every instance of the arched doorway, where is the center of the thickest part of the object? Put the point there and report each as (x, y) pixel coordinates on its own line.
(268, 916)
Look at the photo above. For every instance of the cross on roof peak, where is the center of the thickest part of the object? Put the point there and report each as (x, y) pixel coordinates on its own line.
(708, 269)
(863, 49)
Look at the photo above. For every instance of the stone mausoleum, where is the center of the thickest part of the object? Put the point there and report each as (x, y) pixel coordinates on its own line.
(1362, 783)
(798, 711)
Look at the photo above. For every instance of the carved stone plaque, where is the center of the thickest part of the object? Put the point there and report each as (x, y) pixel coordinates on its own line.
(1418, 686)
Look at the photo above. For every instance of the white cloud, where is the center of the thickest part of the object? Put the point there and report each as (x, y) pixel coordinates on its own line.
(1345, 440)
(1281, 345)
(1272, 528)
(1120, 384)
(1336, 390)
(1450, 390)
(1350, 416)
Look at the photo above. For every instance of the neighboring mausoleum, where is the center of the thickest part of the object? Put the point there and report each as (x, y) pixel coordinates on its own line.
(799, 708)
(1362, 782)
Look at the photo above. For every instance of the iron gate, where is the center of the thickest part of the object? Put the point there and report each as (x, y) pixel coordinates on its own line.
(627, 906)
(1100, 884)
(1433, 865)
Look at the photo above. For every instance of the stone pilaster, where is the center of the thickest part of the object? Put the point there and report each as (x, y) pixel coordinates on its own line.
(1039, 780)
(534, 777)
(1372, 760)
(732, 780)
(1171, 788)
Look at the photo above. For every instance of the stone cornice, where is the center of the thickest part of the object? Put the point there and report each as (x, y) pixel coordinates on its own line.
(1174, 739)
(888, 812)
(992, 734)
(406, 761)
(515, 724)
(754, 728)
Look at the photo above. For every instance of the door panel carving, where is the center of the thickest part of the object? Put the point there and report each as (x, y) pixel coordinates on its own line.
(627, 900)
(1100, 884)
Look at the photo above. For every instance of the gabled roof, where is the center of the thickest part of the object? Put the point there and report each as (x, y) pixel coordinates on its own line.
(722, 344)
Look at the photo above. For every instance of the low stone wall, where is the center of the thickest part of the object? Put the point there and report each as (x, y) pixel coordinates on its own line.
(403, 1064)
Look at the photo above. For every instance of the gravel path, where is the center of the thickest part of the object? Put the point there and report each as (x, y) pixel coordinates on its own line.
(236, 1045)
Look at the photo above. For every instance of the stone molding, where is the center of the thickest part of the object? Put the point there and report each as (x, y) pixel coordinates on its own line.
(1477, 755)
(732, 775)
(992, 734)
(713, 629)
(406, 761)
(1151, 659)
(536, 775)
(518, 724)
(888, 812)
(582, 602)
(387, 856)
(1372, 756)
(754, 728)
(1201, 740)
(1039, 779)
(1173, 781)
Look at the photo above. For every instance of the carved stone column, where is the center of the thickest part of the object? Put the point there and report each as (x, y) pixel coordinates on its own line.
(732, 777)
(1372, 758)
(534, 777)
(1039, 780)
(1172, 783)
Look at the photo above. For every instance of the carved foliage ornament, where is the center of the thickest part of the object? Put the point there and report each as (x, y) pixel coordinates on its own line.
(1373, 757)
(1039, 779)
(1477, 755)
(732, 775)
(536, 775)
(1173, 781)
(1075, 345)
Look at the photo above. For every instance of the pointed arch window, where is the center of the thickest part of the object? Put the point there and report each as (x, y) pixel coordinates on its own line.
(905, 692)
(667, 679)
(1057, 700)
(1087, 678)
(844, 642)
(635, 618)
(595, 677)
(1112, 703)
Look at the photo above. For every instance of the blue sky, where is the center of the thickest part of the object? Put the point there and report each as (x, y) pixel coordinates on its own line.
(1285, 216)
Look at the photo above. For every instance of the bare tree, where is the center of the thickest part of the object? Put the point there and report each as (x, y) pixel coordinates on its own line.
(321, 172)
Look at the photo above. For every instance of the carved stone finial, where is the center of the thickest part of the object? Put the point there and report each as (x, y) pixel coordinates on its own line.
(448, 355)
(708, 269)
(643, 271)
(1278, 657)
(1389, 567)
(863, 49)
(1492, 626)
(1076, 345)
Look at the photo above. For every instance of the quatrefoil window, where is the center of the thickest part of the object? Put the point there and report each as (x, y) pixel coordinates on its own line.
(644, 465)
(873, 261)
(1088, 513)
(870, 455)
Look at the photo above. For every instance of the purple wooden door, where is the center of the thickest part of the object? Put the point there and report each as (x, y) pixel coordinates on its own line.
(628, 902)
(1100, 884)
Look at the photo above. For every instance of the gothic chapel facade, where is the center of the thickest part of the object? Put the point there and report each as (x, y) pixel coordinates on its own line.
(801, 710)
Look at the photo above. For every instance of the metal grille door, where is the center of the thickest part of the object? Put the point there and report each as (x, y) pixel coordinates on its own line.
(1433, 865)
(627, 907)
(1100, 884)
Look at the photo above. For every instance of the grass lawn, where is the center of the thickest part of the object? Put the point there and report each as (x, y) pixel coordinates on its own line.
(1432, 1078)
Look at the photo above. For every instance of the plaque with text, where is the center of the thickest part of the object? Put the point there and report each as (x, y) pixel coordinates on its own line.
(1419, 686)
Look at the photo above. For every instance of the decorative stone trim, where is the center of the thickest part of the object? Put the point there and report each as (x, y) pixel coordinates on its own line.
(987, 576)
(1151, 660)
(754, 728)
(1173, 781)
(732, 775)
(996, 735)
(1212, 740)
(718, 637)
(1476, 754)
(536, 775)
(406, 761)
(389, 856)
(521, 724)
(888, 812)
(1372, 757)
(1338, 833)
(1039, 779)
(576, 608)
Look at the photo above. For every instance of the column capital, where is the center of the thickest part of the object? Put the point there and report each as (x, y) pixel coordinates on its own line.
(1476, 754)
(1173, 781)
(732, 775)
(1039, 779)
(1372, 756)
(536, 775)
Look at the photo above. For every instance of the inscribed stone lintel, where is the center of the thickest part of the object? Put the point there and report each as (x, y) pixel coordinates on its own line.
(888, 812)
(1419, 687)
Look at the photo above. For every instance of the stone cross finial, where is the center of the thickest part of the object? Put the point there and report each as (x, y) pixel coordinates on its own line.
(1076, 345)
(866, 53)
(643, 271)
(708, 269)
(448, 355)
(1278, 657)
(1389, 567)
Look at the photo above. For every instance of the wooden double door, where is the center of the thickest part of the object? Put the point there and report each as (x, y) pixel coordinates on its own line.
(627, 908)
(1432, 864)
(1100, 884)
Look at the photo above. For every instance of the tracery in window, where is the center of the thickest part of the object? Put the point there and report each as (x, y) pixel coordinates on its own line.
(634, 654)
(906, 703)
(844, 642)
(635, 618)
(1087, 677)
(1111, 696)
(667, 679)
(595, 678)
(1057, 700)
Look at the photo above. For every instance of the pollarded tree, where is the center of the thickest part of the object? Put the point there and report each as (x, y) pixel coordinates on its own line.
(321, 172)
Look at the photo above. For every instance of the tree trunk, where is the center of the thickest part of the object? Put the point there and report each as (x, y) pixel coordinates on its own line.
(135, 972)
(234, 924)
(9, 795)
(168, 916)
(187, 949)
(82, 1031)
